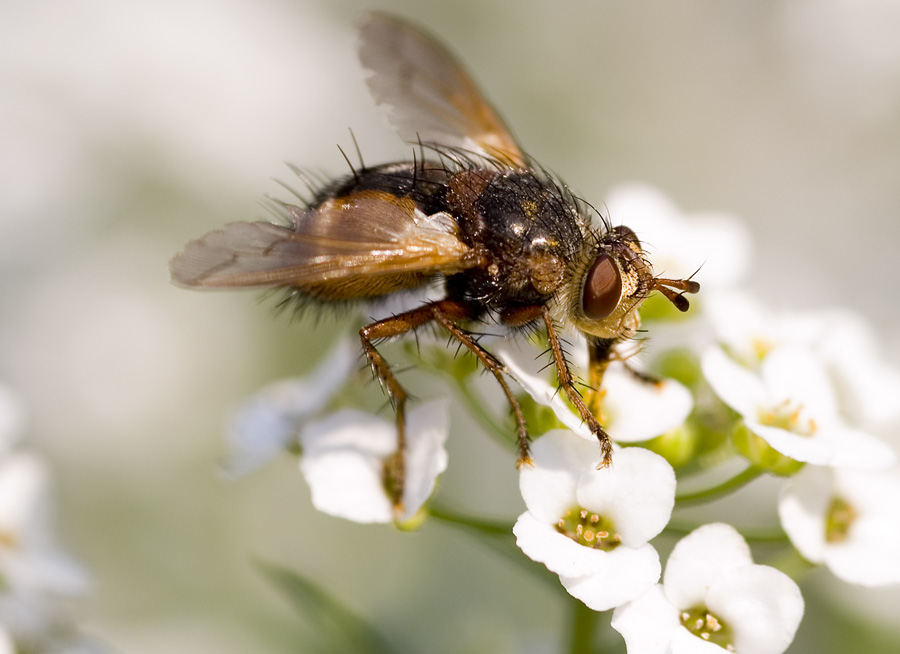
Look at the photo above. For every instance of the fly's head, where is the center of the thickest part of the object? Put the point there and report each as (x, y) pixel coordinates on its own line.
(609, 282)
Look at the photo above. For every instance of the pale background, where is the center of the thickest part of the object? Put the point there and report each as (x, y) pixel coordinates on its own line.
(127, 128)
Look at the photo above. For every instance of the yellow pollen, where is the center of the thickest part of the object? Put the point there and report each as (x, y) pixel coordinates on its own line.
(839, 519)
(761, 347)
(706, 626)
(786, 415)
(589, 529)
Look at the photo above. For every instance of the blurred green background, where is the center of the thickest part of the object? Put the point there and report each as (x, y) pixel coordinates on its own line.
(128, 128)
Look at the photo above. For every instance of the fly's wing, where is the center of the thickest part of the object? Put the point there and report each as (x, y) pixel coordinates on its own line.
(366, 244)
(430, 97)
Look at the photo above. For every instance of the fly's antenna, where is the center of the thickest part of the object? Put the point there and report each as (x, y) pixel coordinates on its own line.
(668, 288)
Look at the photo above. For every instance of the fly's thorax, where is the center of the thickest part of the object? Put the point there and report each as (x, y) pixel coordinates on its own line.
(526, 228)
(607, 283)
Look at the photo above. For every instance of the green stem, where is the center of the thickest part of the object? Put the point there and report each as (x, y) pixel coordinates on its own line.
(497, 536)
(762, 536)
(484, 417)
(583, 626)
(726, 487)
(489, 527)
(792, 564)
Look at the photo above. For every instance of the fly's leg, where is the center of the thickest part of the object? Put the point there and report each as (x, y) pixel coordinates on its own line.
(445, 312)
(567, 384)
(497, 369)
(600, 353)
(395, 466)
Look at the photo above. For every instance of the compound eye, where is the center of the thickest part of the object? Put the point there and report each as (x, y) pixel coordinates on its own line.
(602, 288)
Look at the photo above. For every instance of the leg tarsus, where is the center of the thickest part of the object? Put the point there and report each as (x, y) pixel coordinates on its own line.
(567, 383)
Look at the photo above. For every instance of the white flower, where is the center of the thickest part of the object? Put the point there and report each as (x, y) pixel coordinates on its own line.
(749, 331)
(719, 245)
(592, 526)
(269, 422)
(791, 404)
(343, 460)
(848, 520)
(633, 410)
(30, 558)
(866, 386)
(713, 595)
(35, 571)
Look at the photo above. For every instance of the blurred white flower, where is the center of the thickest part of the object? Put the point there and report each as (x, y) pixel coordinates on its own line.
(866, 386)
(632, 410)
(749, 331)
(344, 455)
(269, 422)
(846, 519)
(679, 244)
(30, 557)
(592, 526)
(35, 571)
(713, 595)
(791, 404)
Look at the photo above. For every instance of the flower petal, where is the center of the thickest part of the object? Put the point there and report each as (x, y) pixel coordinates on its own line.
(762, 605)
(344, 455)
(867, 386)
(796, 374)
(684, 642)
(526, 370)
(33, 562)
(343, 462)
(627, 573)
(638, 411)
(699, 559)
(426, 457)
(647, 623)
(549, 487)
(832, 445)
(735, 385)
(268, 422)
(637, 492)
(541, 542)
(802, 509)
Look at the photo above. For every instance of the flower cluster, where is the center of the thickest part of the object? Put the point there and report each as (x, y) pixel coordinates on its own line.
(803, 396)
(36, 575)
(343, 455)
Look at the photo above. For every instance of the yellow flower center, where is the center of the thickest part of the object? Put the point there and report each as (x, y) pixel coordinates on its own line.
(787, 415)
(705, 625)
(589, 529)
(761, 347)
(839, 519)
